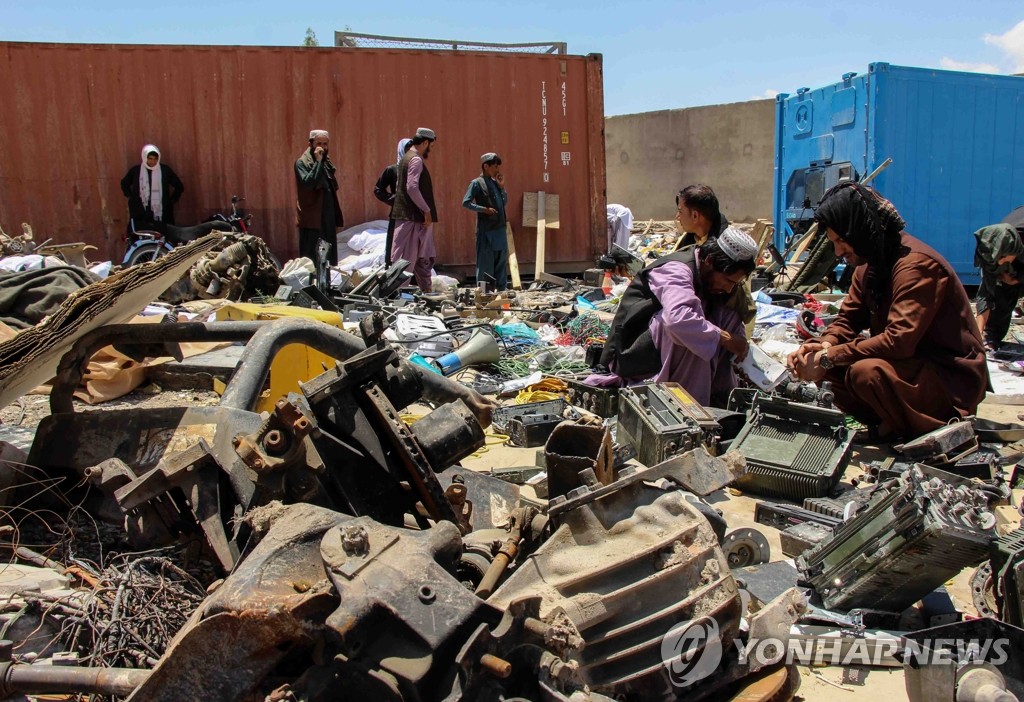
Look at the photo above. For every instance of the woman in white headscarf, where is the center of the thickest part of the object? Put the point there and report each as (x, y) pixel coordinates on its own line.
(152, 189)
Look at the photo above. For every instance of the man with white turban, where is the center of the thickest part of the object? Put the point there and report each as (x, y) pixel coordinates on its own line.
(674, 323)
(152, 189)
(318, 212)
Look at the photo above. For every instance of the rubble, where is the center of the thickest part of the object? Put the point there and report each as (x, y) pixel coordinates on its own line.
(347, 535)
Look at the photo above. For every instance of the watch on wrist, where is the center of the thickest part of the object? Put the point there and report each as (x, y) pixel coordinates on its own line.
(824, 361)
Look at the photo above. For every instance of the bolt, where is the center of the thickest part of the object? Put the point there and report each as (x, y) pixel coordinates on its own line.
(355, 540)
(498, 667)
(274, 441)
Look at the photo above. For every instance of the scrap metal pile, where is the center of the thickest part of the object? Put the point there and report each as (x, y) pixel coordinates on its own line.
(336, 547)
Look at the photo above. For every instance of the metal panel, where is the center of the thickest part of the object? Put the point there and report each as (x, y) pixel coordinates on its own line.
(232, 120)
(955, 140)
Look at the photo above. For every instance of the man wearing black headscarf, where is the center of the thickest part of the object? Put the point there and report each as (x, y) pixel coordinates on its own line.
(924, 362)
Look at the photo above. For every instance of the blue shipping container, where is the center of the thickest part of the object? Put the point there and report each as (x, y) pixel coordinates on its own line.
(956, 140)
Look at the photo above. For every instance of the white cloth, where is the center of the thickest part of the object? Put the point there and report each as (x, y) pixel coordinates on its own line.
(620, 222)
(151, 187)
(401, 148)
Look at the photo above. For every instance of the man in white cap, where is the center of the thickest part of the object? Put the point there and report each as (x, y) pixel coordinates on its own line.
(414, 211)
(317, 209)
(674, 323)
(487, 197)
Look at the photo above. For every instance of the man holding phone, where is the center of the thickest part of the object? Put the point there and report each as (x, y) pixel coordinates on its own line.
(487, 197)
(316, 204)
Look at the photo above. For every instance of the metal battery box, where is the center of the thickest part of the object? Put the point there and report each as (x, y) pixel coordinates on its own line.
(661, 420)
(604, 402)
(793, 450)
(916, 533)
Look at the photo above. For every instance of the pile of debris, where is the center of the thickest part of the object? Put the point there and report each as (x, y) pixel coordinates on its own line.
(326, 524)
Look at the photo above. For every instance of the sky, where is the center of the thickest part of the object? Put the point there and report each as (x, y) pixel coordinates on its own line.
(658, 54)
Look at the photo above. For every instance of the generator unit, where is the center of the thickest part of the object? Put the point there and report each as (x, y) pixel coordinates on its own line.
(793, 450)
(916, 533)
(661, 420)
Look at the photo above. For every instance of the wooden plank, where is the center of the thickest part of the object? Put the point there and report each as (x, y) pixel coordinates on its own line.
(531, 212)
(538, 266)
(513, 261)
(809, 237)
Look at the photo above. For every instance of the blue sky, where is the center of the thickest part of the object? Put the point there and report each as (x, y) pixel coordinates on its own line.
(657, 54)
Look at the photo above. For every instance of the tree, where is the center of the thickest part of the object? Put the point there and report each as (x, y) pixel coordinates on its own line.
(310, 39)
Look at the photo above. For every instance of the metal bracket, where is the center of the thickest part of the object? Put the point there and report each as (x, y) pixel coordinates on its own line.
(197, 473)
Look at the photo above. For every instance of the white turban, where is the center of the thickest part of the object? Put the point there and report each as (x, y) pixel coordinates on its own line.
(737, 245)
(319, 133)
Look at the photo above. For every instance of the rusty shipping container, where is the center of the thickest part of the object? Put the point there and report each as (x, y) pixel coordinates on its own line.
(232, 120)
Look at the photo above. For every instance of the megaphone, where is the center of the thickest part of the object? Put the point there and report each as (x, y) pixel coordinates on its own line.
(481, 348)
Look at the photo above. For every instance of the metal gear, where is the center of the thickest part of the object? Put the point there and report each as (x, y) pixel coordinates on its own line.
(746, 547)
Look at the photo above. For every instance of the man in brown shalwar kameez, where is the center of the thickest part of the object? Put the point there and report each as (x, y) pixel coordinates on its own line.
(924, 361)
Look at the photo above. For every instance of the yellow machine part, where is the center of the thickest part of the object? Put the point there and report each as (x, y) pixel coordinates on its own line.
(296, 363)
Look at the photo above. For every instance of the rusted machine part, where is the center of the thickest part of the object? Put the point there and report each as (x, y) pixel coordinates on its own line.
(458, 497)
(778, 685)
(198, 474)
(402, 613)
(421, 474)
(72, 365)
(272, 606)
(625, 564)
(983, 591)
(280, 442)
(448, 434)
(18, 679)
(573, 448)
(506, 554)
(519, 525)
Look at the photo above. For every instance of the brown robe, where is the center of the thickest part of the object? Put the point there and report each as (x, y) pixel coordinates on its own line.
(924, 362)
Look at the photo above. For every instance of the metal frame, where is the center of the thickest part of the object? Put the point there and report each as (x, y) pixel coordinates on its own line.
(351, 40)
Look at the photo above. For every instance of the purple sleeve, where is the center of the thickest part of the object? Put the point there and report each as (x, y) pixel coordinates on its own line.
(682, 314)
(412, 184)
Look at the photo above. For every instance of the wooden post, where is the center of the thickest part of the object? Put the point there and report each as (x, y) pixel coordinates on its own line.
(541, 226)
(513, 261)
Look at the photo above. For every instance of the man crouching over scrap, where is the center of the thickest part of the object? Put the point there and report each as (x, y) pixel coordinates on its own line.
(924, 362)
(674, 322)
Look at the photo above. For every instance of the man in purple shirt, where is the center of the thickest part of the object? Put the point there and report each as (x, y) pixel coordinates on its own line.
(674, 324)
(414, 211)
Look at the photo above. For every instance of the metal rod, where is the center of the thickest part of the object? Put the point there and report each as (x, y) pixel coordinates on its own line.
(43, 680)
(873, 174)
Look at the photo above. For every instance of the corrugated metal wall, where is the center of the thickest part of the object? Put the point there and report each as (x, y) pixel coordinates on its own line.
(232, 120)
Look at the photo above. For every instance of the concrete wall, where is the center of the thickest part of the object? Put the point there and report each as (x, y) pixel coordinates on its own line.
(653, 155)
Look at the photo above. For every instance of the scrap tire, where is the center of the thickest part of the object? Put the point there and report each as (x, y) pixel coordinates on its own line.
(146, 253)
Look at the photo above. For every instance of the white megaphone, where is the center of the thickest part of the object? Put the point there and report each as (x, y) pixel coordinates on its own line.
(481, 348)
